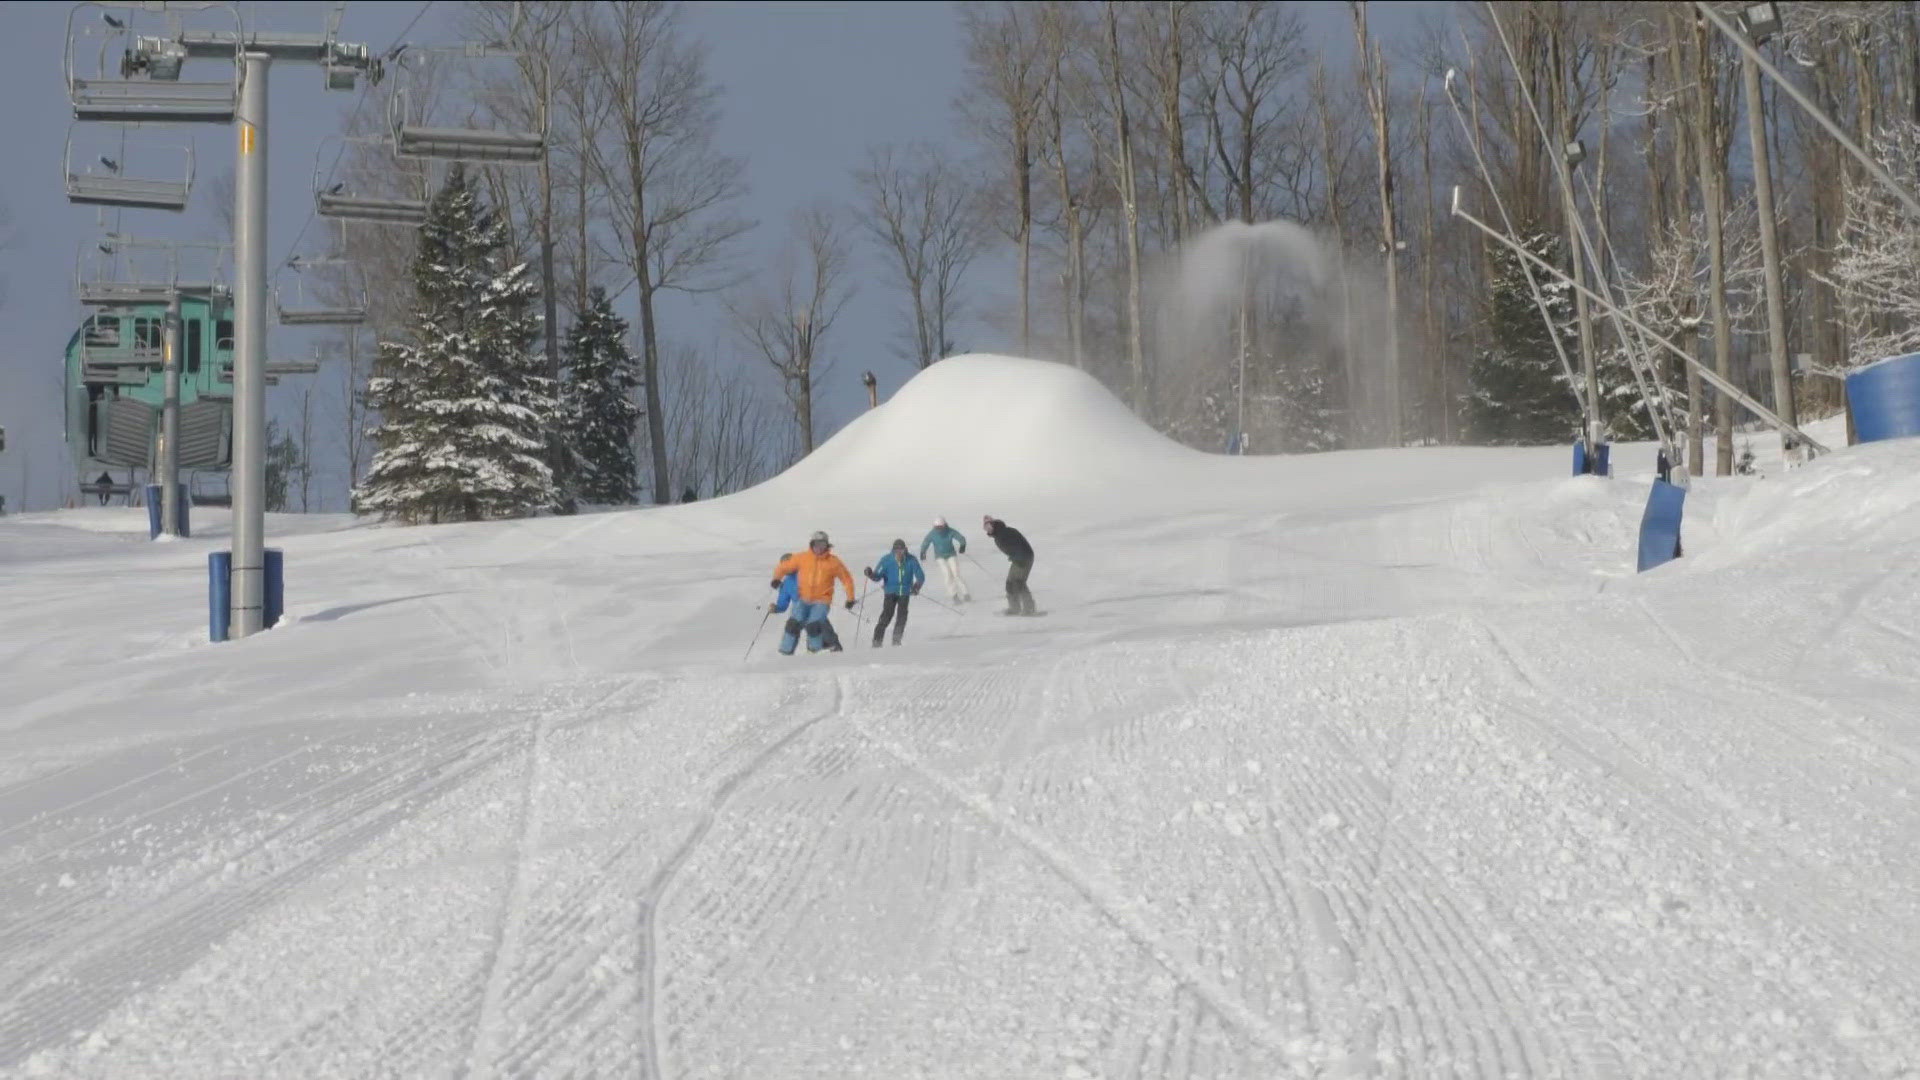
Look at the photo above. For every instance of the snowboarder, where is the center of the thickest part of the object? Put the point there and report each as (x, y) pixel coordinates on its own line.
(1019, 555)
(945, 542)
(789, 590)
(815, 570)
(901, 577)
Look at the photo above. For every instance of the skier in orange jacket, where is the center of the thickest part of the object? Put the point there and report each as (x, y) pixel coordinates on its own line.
(815, 570)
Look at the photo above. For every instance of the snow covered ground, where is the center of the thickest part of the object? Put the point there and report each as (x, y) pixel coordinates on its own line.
(1363, 764)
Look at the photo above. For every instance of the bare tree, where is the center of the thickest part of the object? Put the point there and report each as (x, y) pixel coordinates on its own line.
(667, 190)
(726, 434)
(923, 215)
(785, 319)
(1373, 77)
(1009, 74)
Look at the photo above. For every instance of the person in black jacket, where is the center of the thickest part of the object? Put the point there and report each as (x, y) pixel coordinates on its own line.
(1019, 555)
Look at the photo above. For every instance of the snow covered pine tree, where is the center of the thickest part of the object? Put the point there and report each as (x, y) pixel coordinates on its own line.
(600, 411)
(464, 407)
(1517, 394)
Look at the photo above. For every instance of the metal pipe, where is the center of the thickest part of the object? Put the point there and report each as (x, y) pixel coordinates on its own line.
(1706, 373)
(1800, 98)
(1769, 251)
(170, 422)
(250, 351)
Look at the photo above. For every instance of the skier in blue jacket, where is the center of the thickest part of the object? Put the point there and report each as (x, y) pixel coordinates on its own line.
(901, 577)
(944, 540)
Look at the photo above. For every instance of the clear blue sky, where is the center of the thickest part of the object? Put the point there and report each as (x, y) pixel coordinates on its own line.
(808, 86)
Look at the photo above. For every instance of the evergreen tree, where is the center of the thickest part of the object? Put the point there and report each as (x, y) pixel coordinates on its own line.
(1517, 392)
(465, 407)
(600, 414)
(283, 464)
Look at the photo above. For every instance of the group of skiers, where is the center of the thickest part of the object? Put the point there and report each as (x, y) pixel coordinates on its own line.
(804, 582)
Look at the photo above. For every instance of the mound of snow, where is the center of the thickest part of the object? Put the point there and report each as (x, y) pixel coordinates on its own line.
(1861, 500)
(999, 427)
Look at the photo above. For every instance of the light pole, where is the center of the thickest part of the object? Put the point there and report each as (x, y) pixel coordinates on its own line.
(170, 419)
(249, 588)
(1246, 289)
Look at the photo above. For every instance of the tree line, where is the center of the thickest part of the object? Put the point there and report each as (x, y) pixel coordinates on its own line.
(1111, 147)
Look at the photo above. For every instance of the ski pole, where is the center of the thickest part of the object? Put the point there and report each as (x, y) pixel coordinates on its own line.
(974, 561)
(860, 616)
(938, 604)
(756, 633)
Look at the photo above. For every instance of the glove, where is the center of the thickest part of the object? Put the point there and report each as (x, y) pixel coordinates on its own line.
(771, 609)
(916, 590)
(774, 584)
(849, 605)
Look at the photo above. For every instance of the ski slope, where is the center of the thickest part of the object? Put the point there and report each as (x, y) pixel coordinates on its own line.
(1364, 764)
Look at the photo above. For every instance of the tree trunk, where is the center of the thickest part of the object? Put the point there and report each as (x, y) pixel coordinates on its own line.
(1175, 130)
(1373, 72)
(1429, 331)
(1130, 211)
(1023, 181)
(650, 370)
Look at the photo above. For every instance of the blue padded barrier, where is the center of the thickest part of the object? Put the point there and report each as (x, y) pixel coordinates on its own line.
(1660, 525)
(1885, 398)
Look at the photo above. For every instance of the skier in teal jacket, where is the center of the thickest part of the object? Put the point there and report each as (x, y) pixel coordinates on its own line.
(900, 578)
(945, 541)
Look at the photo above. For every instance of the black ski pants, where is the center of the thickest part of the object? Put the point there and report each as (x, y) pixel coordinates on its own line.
(1019, 597)
(895, 605)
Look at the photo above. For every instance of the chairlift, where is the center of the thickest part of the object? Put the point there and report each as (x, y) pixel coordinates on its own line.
(304, 306)
(142, 82)
(424, 128)
(124, 271)
(128, 168)
(337, 199)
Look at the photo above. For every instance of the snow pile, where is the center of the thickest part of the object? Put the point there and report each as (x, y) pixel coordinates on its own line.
(1865, 499)
(994, 426)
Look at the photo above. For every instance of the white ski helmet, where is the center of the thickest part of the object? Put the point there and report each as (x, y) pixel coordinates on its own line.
(939, 522)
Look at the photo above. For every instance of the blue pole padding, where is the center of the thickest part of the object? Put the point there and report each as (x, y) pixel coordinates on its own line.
(180, 504)
(1885, 398)
(276, 594)
(219, 599)
(1660, 525)
(1603, 460)
(1579, 457)
(153, 511)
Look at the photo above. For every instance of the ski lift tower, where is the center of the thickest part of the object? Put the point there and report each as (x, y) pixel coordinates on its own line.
(147, 87)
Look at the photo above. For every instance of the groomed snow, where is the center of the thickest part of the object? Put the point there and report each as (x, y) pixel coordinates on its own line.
(1375, 763)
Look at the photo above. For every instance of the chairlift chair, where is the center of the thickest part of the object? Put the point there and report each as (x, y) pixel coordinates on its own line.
(109, 178)
(416, 134)
(304, 308)
(143, 82)
(122, 271)
(336, 198)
